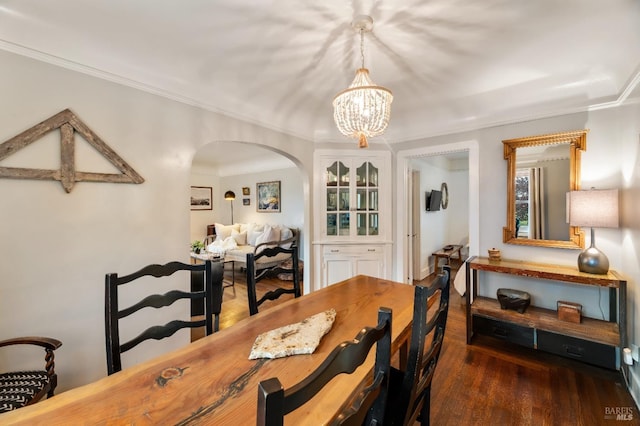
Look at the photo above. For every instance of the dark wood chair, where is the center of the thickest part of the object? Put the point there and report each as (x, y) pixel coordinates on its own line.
(274, 402)
(21, 388)
(270, 262)
(210, 297)
(411, 390)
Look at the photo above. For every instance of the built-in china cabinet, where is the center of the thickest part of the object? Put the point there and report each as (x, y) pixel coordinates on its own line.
(352, 220)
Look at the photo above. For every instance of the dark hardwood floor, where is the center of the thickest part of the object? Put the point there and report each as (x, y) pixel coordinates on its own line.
(493, 383)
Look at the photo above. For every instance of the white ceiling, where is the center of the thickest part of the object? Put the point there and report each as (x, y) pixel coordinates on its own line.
(452, 64)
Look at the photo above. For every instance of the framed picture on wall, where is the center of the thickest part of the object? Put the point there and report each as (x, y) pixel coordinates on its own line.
(245, 190)
(246, 201)
(201, 198)
(268, 196)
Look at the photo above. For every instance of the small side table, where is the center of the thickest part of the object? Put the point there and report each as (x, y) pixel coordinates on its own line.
(447, 253)
(196, 257)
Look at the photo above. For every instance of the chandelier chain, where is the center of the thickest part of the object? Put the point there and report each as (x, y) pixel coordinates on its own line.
(362, 46)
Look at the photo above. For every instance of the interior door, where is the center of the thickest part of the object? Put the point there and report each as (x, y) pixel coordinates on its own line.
(414, 228)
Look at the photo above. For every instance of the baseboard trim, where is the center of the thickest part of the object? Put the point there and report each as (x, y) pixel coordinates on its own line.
(633, 384)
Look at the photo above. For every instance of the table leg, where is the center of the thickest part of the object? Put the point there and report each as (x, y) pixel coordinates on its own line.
(403, 353)
(233, 276)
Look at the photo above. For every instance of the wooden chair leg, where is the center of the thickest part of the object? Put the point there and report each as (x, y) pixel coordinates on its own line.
(403, 353)
(54, 383)
(425, 413)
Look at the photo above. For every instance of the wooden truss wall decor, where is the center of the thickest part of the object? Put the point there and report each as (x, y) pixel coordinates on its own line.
(68, 124)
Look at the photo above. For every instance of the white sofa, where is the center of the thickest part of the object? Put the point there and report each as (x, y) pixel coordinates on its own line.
(233, 242)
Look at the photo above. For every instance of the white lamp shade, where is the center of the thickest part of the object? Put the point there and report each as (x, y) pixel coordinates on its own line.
(596, 208)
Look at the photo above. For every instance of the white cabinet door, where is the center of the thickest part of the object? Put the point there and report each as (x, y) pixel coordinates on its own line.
(372, 266)
(337, 269)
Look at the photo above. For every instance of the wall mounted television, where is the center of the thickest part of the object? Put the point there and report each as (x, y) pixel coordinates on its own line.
(433, 200)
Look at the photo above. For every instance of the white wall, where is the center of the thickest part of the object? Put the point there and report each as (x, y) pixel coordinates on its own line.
(458, 210)
(433, 224)
(199, 219)
(626, 129)
(55, 248)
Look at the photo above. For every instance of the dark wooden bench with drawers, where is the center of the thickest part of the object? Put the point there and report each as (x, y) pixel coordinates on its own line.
(597, 342)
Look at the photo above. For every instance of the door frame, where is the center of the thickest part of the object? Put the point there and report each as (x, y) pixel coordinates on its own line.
(403, 247)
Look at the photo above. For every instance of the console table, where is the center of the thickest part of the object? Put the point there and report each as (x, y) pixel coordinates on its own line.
(447, 253)
(593, 341)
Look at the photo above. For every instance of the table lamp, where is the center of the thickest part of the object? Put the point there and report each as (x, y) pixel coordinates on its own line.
(595, 209)
(230, 196)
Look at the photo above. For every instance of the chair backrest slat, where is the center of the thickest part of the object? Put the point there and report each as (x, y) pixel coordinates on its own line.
(159, 332)
(211, 297)
(160, 301)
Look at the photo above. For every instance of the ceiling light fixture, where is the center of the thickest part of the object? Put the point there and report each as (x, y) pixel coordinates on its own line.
(363, 109)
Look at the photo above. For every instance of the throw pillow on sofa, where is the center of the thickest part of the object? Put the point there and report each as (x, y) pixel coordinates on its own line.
(224, 231)
(253, 232)
(285, 234)
(240, 237)
(269, 234)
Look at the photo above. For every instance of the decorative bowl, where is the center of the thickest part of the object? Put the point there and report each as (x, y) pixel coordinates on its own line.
(516, 300)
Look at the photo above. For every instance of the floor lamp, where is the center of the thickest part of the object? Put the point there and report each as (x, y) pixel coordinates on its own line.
(230, 196)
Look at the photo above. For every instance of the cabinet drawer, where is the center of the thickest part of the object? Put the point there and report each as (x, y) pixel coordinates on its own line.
(504, 330)
(583, 350)
(352, 250)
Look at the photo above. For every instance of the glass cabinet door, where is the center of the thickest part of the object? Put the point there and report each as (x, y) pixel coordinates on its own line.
(367, 199)
(338, 199)
(352, 204)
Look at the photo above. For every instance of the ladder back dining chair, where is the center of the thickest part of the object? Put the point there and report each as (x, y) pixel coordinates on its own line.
(410, 390)
(210, 297)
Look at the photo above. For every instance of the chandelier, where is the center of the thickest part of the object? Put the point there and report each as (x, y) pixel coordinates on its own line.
(362, 110)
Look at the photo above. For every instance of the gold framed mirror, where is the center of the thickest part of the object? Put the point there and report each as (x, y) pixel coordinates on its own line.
(540, 172)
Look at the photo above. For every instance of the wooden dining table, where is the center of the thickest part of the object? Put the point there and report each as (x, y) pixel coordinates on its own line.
(213, 381)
